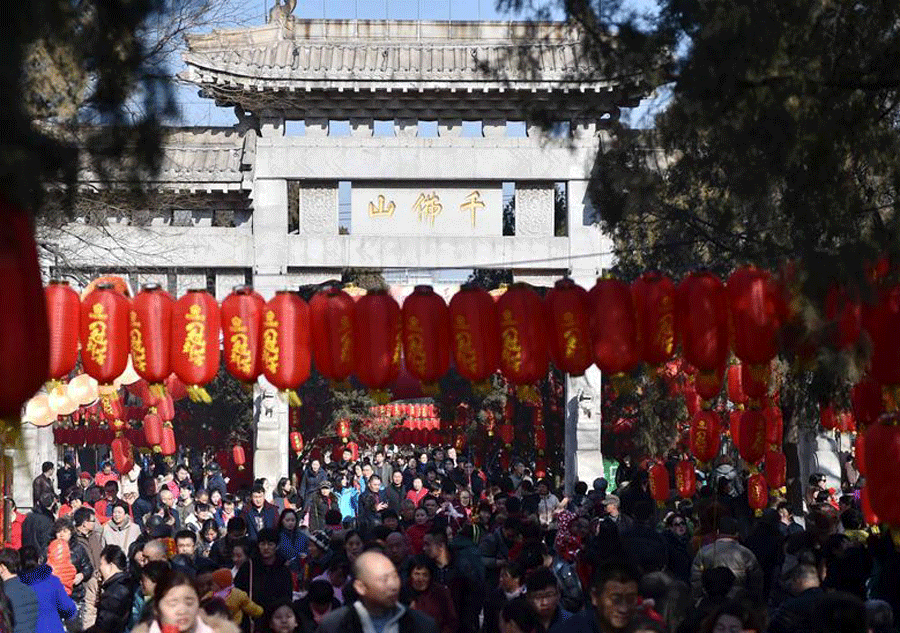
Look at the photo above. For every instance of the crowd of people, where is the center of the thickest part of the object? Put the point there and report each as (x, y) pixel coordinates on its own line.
(409, 541)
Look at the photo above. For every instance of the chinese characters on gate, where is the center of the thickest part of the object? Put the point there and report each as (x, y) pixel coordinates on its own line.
(428, 206)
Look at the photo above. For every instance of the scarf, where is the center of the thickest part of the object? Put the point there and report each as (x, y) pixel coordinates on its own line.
(202, 627)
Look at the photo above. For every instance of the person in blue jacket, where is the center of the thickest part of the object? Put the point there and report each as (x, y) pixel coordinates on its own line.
(23, 602)
(54, 604)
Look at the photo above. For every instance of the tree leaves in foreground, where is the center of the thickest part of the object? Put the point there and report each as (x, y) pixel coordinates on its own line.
(85, 91)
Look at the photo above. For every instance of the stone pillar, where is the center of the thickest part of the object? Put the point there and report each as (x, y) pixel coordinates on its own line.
(584, 460)
(819, 454)
(272, 421)
(37, 447)
(270, 413)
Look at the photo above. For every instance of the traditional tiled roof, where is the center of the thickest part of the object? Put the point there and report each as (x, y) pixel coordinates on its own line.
(207, 155)
(327, 56)
(200, 159)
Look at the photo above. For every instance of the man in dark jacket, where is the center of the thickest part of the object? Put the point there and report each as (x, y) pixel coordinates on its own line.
(459, 568)
(259, 514)
(613, 601)
(395, 493)
(796, 614)
(43, 483)
(144, 504)
(116, 592)
(22, 598)
(319, 504)
(378, 586)
(646, 548)
(37, 530)
(265, 577)
(371, 503)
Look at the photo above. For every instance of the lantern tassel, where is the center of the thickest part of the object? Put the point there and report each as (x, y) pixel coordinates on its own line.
(483, 387)
(294, 398)
(431, 389)
(199, 394)
(158, 390)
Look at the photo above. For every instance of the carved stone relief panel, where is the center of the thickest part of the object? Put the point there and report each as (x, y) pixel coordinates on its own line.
(534, 209)
(319, 209)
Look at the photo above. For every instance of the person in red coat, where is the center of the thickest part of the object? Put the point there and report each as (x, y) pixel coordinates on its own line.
(424, 594)
(15, 525)
(415, 533)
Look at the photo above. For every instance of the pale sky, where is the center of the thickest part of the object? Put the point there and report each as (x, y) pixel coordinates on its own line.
(198, 111)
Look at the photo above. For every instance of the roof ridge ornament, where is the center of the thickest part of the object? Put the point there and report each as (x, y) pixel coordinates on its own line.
(282, 12)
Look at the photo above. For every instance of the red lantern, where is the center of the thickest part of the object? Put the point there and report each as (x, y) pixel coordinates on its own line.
(426, 335)
(614, 327)
(845, 316)
(150, 333)
(165, 407)
(123, 456)
(354, 451)
(827, 417)
(25, 358)
(285, 343)
(568, 308)
(776, 469)
(659, 483)
(752, 436)
(702, 317)
(343, 429)
(476, 333)
(153, 430)
(867, 403)
(507, 433)
(756, 315)
(705, 436)
(774, 427)
(63, 314)
(241, 315)
(882, 322)
(296, 442)
(869, 515)
(709, 383)
(757, 493)
(104, 334)
(540, 439)
(685, 479)
(524, 356)
(654, 307)
(755, 380)
(540, 468)
(882, 454)
(238, 457)
(859, 454)
(693, 402)
(332, 317)
(377, 337)
(735, 387)
(195, 342)
(734, 424)
(168, 446)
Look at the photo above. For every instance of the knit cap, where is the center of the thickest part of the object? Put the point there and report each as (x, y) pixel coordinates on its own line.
(222, 578)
